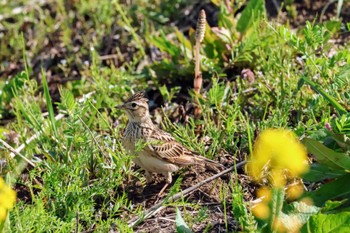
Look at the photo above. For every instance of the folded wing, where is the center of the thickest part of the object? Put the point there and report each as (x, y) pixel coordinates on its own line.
(163, 146)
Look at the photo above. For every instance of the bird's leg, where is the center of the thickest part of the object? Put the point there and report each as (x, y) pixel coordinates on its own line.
(148, 176)
(161, 191)
(168, 179)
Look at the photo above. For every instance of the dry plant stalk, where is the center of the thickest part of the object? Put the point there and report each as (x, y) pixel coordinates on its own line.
(200, 30)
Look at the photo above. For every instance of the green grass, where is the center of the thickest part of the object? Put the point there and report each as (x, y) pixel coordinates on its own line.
(84, 176)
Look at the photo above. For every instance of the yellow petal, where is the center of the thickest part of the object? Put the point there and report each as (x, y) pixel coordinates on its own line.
(264, 193)
(294, 191)
(3, 214)
(261, 210)
(7, 197)
(2, 183)
(277, 178)
(277, 150)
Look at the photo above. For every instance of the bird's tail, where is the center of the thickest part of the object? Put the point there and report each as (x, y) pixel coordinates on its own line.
(200, 160)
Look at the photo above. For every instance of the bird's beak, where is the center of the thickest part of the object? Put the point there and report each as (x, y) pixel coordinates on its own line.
(122, 106)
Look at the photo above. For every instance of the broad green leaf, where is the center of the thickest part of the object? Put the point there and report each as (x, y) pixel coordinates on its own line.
(183, 40)
(342, 140)
(319, 172)
(337, 189)
(326, 156)
(321, 223)
(165, 45)
(253, 12)
(331, 205)
(181, 226)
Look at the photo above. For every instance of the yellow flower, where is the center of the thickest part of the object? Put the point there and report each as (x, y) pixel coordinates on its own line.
(278, 225)
(264, 193)
(277, 152)
(261, 210)
(294, 191)
(7, 199)
(3, 213)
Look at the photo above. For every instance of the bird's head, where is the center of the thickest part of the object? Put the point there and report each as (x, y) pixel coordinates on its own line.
(136, 107)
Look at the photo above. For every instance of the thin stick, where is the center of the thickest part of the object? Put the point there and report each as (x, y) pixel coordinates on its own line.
(157, 207)
(166, 219)
(10, 148)
(35, 136)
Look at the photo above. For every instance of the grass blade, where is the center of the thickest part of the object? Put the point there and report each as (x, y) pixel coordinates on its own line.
(49, 103)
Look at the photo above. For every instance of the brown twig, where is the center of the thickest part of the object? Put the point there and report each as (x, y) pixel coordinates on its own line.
(159, 206)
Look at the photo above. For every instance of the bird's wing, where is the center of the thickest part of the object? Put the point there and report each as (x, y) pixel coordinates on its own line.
(163, 146)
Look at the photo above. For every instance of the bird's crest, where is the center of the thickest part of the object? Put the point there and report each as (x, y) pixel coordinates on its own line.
(139, 96)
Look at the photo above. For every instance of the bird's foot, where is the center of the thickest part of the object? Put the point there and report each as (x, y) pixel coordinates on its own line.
(160, 194)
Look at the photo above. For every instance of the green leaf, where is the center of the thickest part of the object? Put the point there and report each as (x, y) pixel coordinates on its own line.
(12, 84)
(183, 40)
(252, 13)
(225, 19)
(67, 100)
(275, 205)
(329, 98)
(326, 156)
(181, 226)
(49, 103)
(163, 43)
(342, 140)
(319, 172)
(328, 223)
(331, 205)
(337, 189)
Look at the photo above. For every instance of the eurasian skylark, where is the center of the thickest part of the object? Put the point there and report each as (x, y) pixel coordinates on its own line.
(155, 150)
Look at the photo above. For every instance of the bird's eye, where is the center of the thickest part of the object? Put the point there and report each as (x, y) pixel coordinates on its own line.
(133, 105)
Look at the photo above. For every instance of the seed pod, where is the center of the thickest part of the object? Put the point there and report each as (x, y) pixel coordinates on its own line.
(200, 30)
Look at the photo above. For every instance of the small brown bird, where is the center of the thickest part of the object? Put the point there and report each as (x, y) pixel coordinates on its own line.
(155, 150)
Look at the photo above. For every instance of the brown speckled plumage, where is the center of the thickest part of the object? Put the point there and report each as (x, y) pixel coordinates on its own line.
(160, 152)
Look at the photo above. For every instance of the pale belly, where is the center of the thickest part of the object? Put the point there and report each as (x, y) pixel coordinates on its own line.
(153, 164)
(147, 162)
